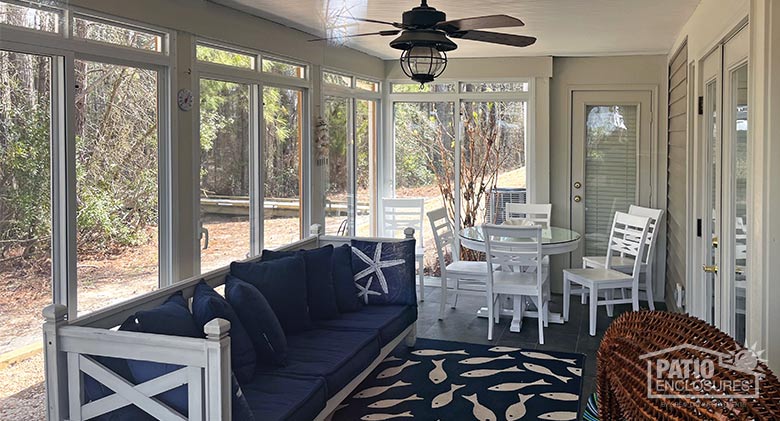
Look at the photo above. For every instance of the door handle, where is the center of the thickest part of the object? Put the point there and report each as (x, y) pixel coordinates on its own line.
(578, 198)
(715, 242)
(710, 268)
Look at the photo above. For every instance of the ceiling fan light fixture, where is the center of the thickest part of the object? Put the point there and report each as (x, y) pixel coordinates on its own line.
(423, 63)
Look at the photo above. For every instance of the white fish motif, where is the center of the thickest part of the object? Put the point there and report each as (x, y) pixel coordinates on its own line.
(513, 387)
(391, 358)
(546, 371)
(517, 411)
(443, 399)
(542, 356)
(485, 360)
(380, 417)
(575, 370)
(558, 416)
(561, 396)
(486, 373)
(438, 375)
(389, 403)
(378, 390)
(394, 371)
(481, 412)
(504, 349)
(436, 352)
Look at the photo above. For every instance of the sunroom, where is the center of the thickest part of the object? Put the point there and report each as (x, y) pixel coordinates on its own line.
(340, 210)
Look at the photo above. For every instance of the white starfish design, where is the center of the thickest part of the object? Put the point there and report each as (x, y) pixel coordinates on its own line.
(375, 266)
(365, 291)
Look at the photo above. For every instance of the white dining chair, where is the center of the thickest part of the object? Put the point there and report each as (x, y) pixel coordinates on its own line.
(399, 214)
(536, 213)
(514, 263)
(468, 277)
(627, 238)
(624, 263)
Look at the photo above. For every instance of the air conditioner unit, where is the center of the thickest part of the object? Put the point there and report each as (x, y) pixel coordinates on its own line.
(499, 197)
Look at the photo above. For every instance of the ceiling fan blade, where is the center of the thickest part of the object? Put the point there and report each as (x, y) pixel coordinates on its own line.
(382, 33)
(479, 22)
(495, 38)
(396, 24)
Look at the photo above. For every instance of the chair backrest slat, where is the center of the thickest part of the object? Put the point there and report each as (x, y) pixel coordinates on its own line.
(655, 216)
(514, 248)
(399, 214)
(538, 213)
(443, 237)
(628, 237)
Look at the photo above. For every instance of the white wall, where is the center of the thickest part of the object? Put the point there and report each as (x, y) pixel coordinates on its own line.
(608, 73)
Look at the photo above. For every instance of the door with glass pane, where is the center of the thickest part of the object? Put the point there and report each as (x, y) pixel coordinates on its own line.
(610, 164)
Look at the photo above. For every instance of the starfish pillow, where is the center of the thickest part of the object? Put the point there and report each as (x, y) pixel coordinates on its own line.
(384, 271)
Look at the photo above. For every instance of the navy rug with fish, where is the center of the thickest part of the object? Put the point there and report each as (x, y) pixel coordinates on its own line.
(442, 380)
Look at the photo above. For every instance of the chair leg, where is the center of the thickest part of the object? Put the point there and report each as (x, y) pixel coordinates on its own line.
(567, 296)
(635, 297)
(593, 303)
(490, 304)
(649, 289)
(497, 307)
(546, 313)
(609, 294)
(457, 293)
(541, 307)
(443, 297)
(421, 277)
(583, 296)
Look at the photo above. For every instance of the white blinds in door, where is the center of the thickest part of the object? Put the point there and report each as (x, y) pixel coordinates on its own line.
(610, 169)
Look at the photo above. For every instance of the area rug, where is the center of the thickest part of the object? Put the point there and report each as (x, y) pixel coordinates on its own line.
(442, 380)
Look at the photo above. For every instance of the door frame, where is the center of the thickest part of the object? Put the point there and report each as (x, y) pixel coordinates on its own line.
(657, 175)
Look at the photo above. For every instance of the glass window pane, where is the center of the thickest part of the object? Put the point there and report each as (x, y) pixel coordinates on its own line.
(425, 159)
(284, 68)
(740, 126)
(116, 183)
(224, 173)
(25, 222)
(125, 36)
(224, 57)
(336, 79)
(337, 200)
(403, 88)
(47, 20)
(494, 87)
(367, 85)
(610, 170)
(365, 179)
(493, 148)
(283, 114)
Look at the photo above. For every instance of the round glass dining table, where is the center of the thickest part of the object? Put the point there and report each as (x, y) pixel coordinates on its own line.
(555, 240)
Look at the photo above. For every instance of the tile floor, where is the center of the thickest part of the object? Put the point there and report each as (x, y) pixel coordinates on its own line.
(462, 325)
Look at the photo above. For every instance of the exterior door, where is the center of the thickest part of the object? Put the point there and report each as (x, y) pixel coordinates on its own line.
(610, 164)
(726, 134)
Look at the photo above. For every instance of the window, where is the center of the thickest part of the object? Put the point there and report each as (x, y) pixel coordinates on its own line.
(94, 29)
(494, 87)
(367, 85)
(39, 19)
(283, 137)
(337, 79)
(283, 68)
(116, 125)
(365, 165)
(224, 173)
(225, 57)
(337, 202)
(417, 88)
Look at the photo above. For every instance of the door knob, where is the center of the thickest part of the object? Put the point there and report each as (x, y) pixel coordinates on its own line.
(710, 268)
(715, 242)
(577, 184)
(578, 198)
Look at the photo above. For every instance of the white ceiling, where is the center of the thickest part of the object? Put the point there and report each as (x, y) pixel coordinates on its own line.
(563, 27)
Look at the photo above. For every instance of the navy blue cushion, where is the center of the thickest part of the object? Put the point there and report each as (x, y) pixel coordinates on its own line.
(384, 271)
(239, 405)
(338, 356)
(389, 321)
(343, 281)
(258, 319)
(283, 283)
(274, 397)
(319, 279)
(208, 305)
(171, 318)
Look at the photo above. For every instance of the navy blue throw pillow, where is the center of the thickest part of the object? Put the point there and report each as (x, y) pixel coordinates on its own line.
(343, 282)
(283, 283)
(319, 280)
(259, 320)
(207, 305)
(384, 271)
(171, 318)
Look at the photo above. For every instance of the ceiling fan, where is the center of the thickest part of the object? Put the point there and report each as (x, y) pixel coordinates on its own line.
(425, 38)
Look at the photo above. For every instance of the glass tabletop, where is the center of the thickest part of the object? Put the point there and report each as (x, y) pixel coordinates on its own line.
(551, 235)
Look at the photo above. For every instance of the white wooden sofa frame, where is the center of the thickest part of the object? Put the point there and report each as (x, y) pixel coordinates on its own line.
(68, 345)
